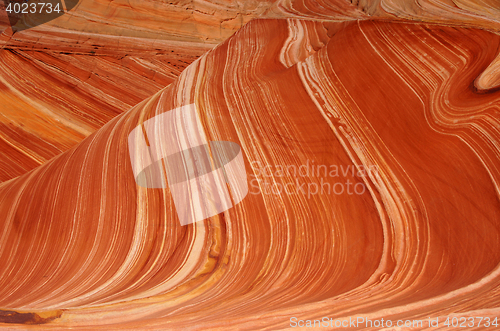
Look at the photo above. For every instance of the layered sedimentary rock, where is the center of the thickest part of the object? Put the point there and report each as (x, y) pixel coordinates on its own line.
(482, 13)
(63, 80)
(408, 115)
(145, 45)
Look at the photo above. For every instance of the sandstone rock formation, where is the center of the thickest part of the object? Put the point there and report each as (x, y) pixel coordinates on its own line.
(406, 111)
(63, 80)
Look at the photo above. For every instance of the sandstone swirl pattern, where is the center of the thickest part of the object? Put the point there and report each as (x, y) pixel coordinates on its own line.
(63, 80)
(82, 246)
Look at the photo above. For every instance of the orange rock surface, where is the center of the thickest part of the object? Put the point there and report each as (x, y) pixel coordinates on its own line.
(63, 80)
(355, 86)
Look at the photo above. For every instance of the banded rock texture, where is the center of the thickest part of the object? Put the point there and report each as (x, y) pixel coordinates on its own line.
(474, 13)
(83, 246)
(63, 80)
(125, 52)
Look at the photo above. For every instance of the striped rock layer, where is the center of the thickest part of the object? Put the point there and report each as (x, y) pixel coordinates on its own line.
(82, 246)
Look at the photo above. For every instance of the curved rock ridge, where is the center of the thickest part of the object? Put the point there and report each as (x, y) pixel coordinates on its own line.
(473, 13)
(388, 111)
(490, 77)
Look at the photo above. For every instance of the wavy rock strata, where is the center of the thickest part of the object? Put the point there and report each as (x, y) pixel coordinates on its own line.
(63, 80)
(83, 246)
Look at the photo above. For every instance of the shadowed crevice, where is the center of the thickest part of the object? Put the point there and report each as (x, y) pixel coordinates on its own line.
(14, 317)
